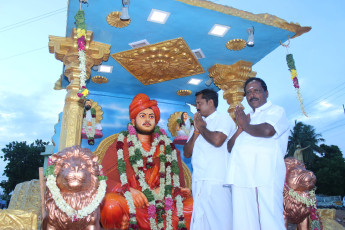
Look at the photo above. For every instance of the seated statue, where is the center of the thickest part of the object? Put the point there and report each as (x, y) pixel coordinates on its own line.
(145, 185)
(183, 126)
(91, 128)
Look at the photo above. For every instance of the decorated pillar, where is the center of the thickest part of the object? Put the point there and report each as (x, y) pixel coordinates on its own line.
(231, 79)
(66, 50)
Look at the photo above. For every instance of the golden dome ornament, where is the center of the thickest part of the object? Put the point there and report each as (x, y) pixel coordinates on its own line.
(99, 79)
(113, 19)
(236, 44)
(184, 92)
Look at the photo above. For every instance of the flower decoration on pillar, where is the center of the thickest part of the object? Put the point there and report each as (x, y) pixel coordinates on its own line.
(81, 36)
(291, 64)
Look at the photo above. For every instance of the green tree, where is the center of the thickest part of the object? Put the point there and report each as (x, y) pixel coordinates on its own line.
(305, 135)
(23, 161)
(329, 171)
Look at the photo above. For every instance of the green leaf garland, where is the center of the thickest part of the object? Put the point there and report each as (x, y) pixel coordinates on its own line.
(174, 167)
(148, 195)
(80, 19)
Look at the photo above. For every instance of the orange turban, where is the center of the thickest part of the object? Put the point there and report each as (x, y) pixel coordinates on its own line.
(142, 102)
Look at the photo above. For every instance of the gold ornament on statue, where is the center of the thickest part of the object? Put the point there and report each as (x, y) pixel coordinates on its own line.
(236, 44)
(113, 19)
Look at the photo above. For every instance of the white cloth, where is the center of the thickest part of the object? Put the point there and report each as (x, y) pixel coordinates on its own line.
(257, 173)
(254, 161)
(210, 162)
(187, 126)
(211, 206)
(212, 202)
(258, 208)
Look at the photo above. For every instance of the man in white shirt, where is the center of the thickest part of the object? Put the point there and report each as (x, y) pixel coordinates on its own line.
(207, 147)
(256, 166)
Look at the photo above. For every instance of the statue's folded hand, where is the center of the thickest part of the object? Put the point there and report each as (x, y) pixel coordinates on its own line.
(139, 198)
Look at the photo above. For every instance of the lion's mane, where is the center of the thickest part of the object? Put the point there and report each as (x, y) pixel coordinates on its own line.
(76, 199)
(301, 181)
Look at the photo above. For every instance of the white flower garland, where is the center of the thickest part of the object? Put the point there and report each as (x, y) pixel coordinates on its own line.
(66, 208)
(82, 67)
(123, 178)
(138, 165)
(90, 130)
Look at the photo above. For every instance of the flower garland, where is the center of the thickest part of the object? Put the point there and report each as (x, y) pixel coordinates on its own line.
(63, 205)
(163, 201)
(291, 64)
(309, 201)
(90, 130)
(81, 40)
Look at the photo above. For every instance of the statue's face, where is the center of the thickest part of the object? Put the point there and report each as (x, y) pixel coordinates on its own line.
(185, 116)
(87, 105)
(145, 121)
(300, 179)
(74, 175)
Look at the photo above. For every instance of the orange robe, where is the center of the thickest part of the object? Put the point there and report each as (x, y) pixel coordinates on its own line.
(114, 205)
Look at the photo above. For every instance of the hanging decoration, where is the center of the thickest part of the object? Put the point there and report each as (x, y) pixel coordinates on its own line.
(81, 36)
(291, 64)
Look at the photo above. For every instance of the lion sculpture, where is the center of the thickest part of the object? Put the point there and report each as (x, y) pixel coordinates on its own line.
(77, 172)
(301, 181)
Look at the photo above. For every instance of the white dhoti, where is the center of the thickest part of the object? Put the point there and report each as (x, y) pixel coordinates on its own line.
(212, 209)
(259, 208)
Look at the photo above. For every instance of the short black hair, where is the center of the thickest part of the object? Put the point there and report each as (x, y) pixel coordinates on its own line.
(209, 94)
(263, 84)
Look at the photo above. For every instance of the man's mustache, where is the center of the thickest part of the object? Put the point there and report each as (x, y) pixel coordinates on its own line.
(147, 123)
(253, 98)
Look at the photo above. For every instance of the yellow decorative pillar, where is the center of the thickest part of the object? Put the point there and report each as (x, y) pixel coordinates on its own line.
(231, 79)
(66, 50)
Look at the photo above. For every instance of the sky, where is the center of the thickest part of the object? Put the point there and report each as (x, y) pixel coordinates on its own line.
(29, 106)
